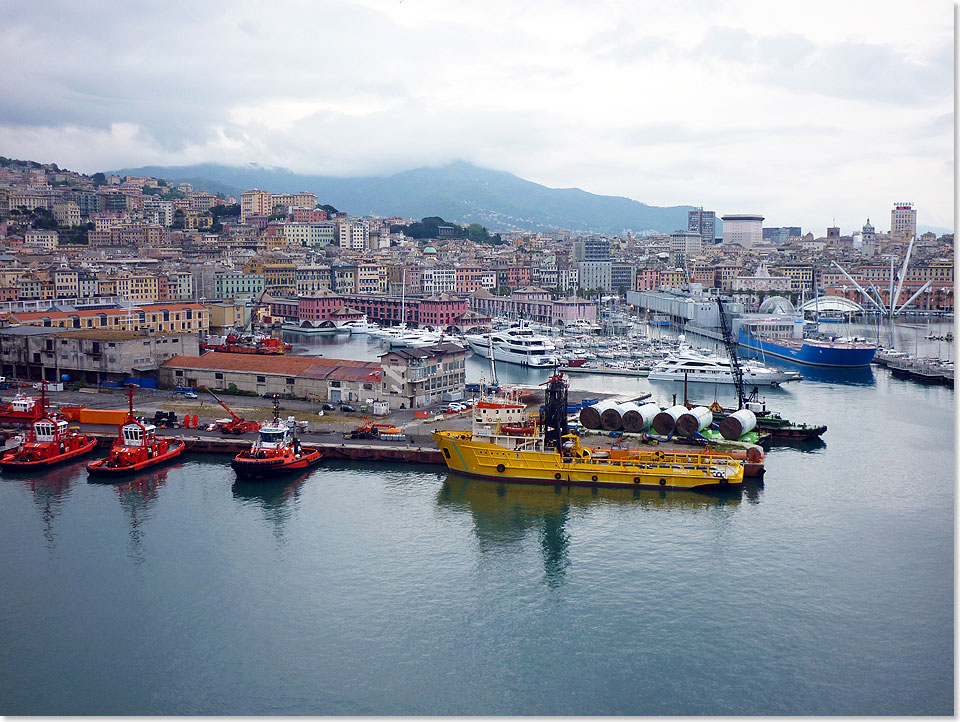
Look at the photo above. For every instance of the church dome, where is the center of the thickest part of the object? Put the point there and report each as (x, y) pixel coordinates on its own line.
(429, 251)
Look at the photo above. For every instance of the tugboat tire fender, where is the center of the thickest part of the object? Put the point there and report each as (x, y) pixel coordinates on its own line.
(501, 468)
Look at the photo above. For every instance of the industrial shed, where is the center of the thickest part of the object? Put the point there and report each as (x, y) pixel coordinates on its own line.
(318, 379)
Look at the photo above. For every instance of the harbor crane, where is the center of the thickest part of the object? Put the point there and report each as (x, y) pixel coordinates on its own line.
(731, 345)
(890, 310)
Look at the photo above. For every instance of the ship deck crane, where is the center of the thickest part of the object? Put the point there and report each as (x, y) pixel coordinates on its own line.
(240, 330)
(236, 424)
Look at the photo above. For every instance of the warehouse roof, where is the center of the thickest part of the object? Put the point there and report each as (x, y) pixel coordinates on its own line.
(271, 364)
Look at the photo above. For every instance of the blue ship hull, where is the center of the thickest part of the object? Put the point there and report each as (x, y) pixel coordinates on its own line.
(810, 354)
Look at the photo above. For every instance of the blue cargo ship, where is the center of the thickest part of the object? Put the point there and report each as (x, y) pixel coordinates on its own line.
(839, 354)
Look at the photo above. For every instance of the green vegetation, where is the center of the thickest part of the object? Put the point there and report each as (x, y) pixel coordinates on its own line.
(430, 228)
(222, 210)
(38, 218)
(77, 235)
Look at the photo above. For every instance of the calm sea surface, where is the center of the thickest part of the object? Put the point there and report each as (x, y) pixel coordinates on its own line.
(391, 589)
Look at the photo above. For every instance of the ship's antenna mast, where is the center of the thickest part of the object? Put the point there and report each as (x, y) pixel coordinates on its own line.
(731, 345)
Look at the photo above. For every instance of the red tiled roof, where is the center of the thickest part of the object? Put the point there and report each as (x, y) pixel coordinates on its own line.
(270, 364)
(91, 312)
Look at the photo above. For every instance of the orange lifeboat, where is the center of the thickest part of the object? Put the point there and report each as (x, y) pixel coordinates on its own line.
(518, 429)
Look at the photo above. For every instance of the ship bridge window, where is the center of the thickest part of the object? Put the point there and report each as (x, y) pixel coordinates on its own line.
(271, 437)
(132, 435)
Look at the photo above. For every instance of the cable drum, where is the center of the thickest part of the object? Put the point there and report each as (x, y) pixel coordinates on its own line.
(639, 418)
(695, 420)
(665, 422)
(590, 416)
(612, 419)
(737, 424)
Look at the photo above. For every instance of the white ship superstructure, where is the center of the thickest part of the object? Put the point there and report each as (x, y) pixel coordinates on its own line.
(715, 370)
(515, 345)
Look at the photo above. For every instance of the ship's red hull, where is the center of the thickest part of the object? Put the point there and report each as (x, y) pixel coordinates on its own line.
(267, 467)
(9, 462)
(100, 468)
(20, 417)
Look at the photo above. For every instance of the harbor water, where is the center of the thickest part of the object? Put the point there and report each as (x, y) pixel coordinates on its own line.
(373, 589)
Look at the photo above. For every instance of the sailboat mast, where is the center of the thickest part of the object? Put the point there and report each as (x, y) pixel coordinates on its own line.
(493, 363)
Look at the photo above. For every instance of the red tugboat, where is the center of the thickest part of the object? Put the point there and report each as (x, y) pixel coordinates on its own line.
(23, 409)
(49, 441)
(137, 447)
(277, 451)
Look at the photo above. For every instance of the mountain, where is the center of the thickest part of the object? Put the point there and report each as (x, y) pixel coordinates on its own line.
(458, 192)
(939, 230)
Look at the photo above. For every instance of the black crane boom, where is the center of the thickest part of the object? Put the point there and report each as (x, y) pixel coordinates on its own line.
(731, 345)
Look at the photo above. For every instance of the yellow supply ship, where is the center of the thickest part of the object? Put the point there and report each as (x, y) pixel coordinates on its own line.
(548, 454)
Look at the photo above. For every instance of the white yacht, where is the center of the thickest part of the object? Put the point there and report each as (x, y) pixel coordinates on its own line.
(361, 326)
(715, 370)
(580, 327)
(515, 345)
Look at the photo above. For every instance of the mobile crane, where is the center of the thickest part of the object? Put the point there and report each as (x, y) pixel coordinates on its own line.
(235, 424)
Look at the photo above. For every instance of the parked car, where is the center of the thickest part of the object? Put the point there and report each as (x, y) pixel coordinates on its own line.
(328, 407)
(190, 395)
(347, 407)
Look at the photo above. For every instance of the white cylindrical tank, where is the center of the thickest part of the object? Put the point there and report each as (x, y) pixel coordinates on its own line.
(590, 416)
(639, 418)
(737, 424)
(666, 421)
(695, 420)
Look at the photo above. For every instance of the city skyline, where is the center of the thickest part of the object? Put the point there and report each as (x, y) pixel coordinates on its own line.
(802, 114)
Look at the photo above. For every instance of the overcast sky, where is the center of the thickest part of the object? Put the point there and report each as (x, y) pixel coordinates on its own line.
(804, 111)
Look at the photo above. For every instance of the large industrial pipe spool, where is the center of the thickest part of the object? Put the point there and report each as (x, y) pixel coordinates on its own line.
(665, 422)
(755, 454)
(639, 418)
(590, 416)
(612, 419)
(737, 424)
(695, 420)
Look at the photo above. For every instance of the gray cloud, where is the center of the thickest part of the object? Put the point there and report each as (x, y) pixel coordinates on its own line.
(620, 104)
(867, 71)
